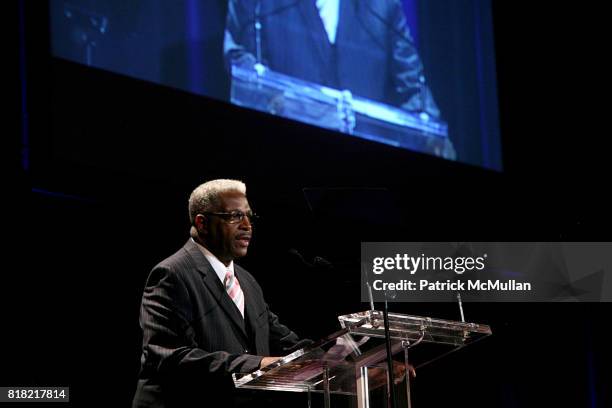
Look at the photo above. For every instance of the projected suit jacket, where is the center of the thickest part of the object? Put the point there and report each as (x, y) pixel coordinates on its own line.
(374, 55)
(194, 336)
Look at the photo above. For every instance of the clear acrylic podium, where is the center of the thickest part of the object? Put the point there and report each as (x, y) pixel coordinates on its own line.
(257, 87)
(352, 361)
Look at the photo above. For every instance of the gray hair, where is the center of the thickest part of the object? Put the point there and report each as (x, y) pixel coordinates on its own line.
(205, 196)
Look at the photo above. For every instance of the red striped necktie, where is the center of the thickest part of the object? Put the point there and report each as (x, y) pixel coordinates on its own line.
(234, 291)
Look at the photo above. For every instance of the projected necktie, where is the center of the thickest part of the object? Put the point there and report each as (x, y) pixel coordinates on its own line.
(234, 291)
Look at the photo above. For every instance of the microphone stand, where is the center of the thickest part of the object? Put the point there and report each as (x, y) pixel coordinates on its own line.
(258, 31)
(391, 402)
(391, 399)
(256, 21)
(460, 307)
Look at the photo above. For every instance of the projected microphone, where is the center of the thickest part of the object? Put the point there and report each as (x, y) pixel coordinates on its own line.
(257, 13)
(258, 16)
(258, 32)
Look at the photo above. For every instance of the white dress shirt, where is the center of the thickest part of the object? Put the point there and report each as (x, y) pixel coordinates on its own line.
(218, 266)
(329, 10)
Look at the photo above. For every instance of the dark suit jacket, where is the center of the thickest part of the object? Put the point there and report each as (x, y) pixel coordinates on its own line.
(374, 55)
(194, 336)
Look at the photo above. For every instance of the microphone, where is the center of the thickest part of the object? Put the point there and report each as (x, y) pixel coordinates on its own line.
(317, 262)
(364, 267)
(322, 262)
(390, 294)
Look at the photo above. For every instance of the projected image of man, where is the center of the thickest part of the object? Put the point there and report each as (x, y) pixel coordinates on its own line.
(363, 46)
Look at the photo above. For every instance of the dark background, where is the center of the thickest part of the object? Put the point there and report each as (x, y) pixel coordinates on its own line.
(81, 233)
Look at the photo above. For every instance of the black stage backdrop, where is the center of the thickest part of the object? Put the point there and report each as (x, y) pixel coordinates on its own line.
(105, 165)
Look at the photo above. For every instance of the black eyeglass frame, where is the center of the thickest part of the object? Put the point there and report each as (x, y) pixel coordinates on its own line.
(230, 217)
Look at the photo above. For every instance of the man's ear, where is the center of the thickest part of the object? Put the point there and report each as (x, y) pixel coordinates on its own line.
(201, 224)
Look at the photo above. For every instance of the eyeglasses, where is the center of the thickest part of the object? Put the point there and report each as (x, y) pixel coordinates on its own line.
(234, 217)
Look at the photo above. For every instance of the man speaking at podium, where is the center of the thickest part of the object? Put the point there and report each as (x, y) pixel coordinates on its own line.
(360, 45)
(204, 317)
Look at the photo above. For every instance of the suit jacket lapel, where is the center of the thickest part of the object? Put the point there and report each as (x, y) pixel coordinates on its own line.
(252, 309)
(347, 13)
(212, 282)
(314, 26)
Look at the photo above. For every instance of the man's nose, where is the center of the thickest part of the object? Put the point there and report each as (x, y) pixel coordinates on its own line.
(246, 223)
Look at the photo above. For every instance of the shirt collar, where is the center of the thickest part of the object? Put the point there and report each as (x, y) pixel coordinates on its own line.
(218, 266)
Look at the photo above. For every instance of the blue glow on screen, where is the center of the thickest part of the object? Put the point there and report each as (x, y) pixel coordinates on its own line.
(410, 8)
(195, 64)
